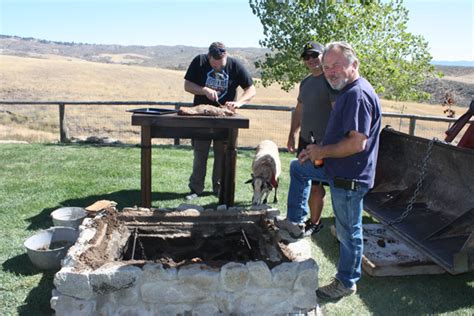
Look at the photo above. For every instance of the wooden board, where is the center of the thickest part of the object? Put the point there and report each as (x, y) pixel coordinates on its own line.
(385, 254)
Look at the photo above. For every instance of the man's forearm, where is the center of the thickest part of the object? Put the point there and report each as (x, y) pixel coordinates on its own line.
(193, 88)
(353, 143)
(248, 94)
(350, 145)
(295, 120)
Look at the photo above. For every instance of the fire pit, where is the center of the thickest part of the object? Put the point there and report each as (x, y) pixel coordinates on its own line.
(190, 262)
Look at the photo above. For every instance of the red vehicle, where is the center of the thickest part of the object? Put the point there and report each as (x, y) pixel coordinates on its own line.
(467, 141)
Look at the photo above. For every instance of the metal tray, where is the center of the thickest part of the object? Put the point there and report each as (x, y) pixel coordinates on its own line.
(155, 111)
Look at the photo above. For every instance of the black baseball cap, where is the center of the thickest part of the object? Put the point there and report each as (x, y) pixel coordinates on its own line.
(312, 47)
(217, 50)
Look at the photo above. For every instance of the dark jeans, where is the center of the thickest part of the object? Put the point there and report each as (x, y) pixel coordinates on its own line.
(201, 153)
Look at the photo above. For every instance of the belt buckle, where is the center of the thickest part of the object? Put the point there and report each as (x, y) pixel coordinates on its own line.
(346, 184)
(354, 185)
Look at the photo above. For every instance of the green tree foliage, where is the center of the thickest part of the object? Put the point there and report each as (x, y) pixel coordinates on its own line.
(395, 61)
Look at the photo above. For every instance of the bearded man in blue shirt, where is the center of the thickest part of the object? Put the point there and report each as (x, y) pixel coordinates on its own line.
(349, 152)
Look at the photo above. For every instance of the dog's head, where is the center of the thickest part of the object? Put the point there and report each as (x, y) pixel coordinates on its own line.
(261, 189)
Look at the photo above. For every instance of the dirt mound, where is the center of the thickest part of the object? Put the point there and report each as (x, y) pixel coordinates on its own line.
(457, 81)
(462, 92)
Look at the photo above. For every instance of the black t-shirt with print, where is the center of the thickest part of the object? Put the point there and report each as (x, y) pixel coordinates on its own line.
(225, 82)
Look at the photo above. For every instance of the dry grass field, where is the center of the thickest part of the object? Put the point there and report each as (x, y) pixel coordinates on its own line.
(59, 78)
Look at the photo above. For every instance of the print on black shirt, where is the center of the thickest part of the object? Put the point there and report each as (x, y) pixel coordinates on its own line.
(218, 81)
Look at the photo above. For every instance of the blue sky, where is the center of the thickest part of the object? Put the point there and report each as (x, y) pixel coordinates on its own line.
(446, 25)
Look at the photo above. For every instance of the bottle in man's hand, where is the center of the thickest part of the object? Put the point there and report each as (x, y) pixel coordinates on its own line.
(318, 162)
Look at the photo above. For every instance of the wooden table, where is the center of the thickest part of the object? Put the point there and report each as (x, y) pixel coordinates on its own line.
(197, 127)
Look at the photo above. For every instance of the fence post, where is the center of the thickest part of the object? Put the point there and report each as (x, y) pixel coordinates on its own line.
(63, 133)
(176, 140)
(412, 126)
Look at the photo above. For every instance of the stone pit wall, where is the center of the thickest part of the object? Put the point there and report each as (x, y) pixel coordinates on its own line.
(235, 288)
(148, 288)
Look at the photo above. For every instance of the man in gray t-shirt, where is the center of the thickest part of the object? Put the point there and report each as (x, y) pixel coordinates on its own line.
(314, 105)
(315, 98)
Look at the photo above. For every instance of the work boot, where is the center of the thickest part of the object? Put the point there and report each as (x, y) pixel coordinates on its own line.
(335, 290)
(295, 230)
(311, 228)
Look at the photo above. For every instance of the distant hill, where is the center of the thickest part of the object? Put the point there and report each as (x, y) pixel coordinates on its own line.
(458, 76)
(161, 56)
(460, 63)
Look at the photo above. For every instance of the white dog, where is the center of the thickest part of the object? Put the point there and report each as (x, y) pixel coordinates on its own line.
(266, 169)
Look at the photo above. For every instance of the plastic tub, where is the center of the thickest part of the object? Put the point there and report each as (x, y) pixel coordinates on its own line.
(47, 247)
(68, 216)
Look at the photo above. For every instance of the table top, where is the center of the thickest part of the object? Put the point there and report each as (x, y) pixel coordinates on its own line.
(175, 120)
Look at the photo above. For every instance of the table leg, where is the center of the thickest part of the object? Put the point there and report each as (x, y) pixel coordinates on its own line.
(146, 166)
(227, 190)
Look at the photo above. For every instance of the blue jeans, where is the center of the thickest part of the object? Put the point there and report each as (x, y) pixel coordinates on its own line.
(301, 176)
(347, 206)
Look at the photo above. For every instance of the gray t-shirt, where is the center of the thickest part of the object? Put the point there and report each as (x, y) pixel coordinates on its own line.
(316, 96)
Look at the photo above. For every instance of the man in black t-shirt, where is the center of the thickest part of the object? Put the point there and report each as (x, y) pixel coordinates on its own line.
(213, 78)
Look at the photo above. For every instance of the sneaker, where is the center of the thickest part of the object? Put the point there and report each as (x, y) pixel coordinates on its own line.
(191, 196)
(311, 228)
(295, 230)
(335, 290)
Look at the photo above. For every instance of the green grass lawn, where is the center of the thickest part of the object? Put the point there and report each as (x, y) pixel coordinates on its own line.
(36, 179)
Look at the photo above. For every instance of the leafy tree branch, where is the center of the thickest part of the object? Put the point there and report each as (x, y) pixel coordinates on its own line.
(395, 61)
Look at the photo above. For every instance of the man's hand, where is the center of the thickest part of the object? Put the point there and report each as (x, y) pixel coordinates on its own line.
(290, 144)
(232, 105)
(210, 94)
(312, 152)
(303, 156)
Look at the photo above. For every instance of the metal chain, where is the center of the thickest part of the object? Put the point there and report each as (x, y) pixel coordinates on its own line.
(419, 184)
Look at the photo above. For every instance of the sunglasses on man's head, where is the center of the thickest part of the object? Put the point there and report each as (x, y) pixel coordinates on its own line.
(217, 52)
(310, 55)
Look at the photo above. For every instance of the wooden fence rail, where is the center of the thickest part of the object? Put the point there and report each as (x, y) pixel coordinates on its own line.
(64, 137)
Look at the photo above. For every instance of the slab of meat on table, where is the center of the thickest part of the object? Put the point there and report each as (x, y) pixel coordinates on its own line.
(206, 110)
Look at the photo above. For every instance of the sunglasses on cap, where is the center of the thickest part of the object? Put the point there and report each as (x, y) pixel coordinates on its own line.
(217, 52)
(311, 55)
